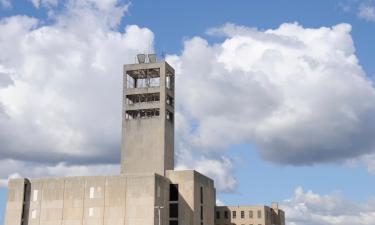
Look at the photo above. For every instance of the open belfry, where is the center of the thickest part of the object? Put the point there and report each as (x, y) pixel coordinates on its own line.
(148, 191)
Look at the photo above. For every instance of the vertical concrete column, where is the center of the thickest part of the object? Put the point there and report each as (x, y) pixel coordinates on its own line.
(16, 200)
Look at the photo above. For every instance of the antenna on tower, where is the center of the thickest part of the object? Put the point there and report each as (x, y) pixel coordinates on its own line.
(163, 54)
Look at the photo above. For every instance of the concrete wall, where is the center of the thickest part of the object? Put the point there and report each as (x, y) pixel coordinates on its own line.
(99, 200)
(14, 208)
(189, 184)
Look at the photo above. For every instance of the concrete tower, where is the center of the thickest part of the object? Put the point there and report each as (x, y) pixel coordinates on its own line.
(148, 117)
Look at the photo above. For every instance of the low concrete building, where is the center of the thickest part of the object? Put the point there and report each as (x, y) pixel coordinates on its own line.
(147, 191)
(249, 215)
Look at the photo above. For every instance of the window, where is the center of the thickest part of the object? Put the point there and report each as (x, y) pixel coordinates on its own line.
(226, 215)
(173, 192)
(91, 212)
(259, 214)
(234, 214)
(201, 195)
(92, 192)
(242, 215)
(217, 214)
(35, 195)
(170, 100)
(33, 214)
(201, 212)
(173, 222)
(250, 214)
(169, 116)
(173, 210)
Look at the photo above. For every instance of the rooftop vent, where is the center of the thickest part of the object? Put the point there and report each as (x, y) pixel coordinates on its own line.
(151, 58)
(141, 58)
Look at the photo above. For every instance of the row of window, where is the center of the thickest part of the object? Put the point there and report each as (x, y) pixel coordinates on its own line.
(242, 214)
(91, 212)
(94, 192)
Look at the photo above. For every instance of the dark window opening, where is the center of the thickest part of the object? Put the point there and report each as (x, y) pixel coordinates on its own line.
(142, 98)
(217, 214)
(226, 215)
(170, 100)
(201, 195)
(173, 210)
(242, 215)
(169, 116)
(142, 113)
(201, 212)
(173, 192)
(173, 222)
(234, 214)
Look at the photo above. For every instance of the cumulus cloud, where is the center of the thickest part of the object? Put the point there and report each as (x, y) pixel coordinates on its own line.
(37, 170)
(60, 84)
(298, 94)
(366, 12)
(218, 168)
(308, 208)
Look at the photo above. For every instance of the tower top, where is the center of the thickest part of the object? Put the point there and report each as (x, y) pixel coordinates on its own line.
(148, 117)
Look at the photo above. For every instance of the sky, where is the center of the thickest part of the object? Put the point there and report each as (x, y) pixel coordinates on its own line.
(275, 100)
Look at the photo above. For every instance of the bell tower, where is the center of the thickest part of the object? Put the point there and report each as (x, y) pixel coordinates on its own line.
(148, 117)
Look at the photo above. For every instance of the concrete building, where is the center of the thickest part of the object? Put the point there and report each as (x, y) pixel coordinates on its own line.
(147, 191)
(249, 215)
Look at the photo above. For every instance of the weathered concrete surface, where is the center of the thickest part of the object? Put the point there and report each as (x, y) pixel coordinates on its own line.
(148, 143)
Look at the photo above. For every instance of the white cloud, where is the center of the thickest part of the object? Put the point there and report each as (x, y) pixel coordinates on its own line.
(37, 170)
(298, 94)
(308, 208)
(366, 12)
(60, 84)
(220, 169)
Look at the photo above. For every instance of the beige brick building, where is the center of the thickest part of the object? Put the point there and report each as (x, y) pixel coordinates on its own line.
(147, 191)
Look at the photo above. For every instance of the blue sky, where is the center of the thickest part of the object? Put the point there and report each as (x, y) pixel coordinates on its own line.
(175, 23)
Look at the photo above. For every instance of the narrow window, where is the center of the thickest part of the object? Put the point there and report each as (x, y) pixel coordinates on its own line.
(201, 212)
(234, 214)
(217, 214)
(259, 214)
(91, 212)
(226, 214)
(250, 214)
(173, 192)
(158, 191)
(33, 214)
(201, 195)
(35, 195)
(242, 215)
(173, 222)
(173, 210)
(92, 192)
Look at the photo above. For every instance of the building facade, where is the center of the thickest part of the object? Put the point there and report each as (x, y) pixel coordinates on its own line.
(147, 191)
(249, 215)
